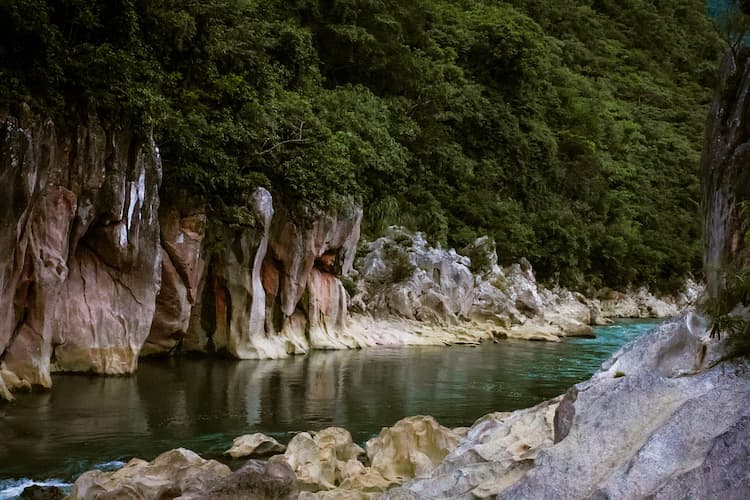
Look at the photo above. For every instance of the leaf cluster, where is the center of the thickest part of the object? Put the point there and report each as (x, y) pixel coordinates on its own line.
(568, 131)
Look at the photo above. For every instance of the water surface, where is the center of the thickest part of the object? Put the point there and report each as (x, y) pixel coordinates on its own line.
(202, 404)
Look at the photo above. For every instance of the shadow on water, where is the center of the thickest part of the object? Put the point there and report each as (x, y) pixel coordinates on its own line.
(203, 404)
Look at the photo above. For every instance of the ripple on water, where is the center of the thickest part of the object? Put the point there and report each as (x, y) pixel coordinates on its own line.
(12, 488)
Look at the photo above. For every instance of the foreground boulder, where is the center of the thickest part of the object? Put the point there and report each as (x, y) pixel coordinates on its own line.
(414, 446)
(171, 474)
(256, 480)
(319, 459)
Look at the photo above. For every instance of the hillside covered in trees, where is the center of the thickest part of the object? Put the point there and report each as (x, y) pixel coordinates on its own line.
(569, 131)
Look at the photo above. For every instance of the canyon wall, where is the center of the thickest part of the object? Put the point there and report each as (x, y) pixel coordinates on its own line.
(79, 239)
(97, 270)
(95, 273)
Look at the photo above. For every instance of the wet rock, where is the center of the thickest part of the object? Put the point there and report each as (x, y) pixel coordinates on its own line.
(170, 475)
(36, 492)
(413, 447)
(254, 445)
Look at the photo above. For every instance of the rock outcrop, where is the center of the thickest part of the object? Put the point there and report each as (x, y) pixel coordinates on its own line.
(80, 240)
(183, 228)
(321, 459)
(444, 294)
(653, 421)
(273, 288)
(256, 480)
(414, 446)
(726, 178)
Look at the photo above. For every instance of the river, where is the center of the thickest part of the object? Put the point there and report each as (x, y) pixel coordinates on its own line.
(202, 404)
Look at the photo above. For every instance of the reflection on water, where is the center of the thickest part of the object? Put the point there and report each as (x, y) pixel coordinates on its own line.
(204, 404)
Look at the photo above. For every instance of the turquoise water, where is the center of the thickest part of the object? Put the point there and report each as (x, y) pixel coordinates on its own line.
(203, 404)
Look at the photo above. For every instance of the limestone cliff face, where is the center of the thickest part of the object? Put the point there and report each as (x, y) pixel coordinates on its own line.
(262, 291)
(726, 172)
(95, 273)
(79, 239)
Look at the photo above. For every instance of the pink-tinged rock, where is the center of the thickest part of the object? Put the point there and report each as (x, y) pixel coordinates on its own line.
(182, 269)
(272, 289)
(78, 224)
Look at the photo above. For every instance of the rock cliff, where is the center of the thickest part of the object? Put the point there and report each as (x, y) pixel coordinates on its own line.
(726, 175)
(79, 237)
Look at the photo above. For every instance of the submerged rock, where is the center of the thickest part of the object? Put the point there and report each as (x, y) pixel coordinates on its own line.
(37, 492)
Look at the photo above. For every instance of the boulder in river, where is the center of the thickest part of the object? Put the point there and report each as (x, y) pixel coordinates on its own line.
(256, 444)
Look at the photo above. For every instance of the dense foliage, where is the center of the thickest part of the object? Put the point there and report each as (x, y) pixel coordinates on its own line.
(569, 131)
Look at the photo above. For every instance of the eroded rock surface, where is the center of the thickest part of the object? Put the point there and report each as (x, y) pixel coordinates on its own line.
(170, 475)
(319, 459)
(254, 445)
(403, 276)
(413, 447)
(273, 288)
(656, 420)
(80, 236)
(183, 230)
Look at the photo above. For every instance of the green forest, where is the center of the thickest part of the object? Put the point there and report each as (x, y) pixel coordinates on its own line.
(570, 131)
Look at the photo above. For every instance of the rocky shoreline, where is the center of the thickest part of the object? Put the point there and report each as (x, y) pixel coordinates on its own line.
(667, 416)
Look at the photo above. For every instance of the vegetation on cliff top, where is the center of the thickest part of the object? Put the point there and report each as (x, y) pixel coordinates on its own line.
(569, 131)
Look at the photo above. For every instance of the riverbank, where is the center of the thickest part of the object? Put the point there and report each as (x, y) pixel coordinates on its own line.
(203, 404)
(673, 389)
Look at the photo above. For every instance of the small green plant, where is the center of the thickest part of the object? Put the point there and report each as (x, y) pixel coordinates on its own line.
(349, 285)
(403, 240)
(481, 252)
(735, 291)
(398, 258)
(501, 283)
